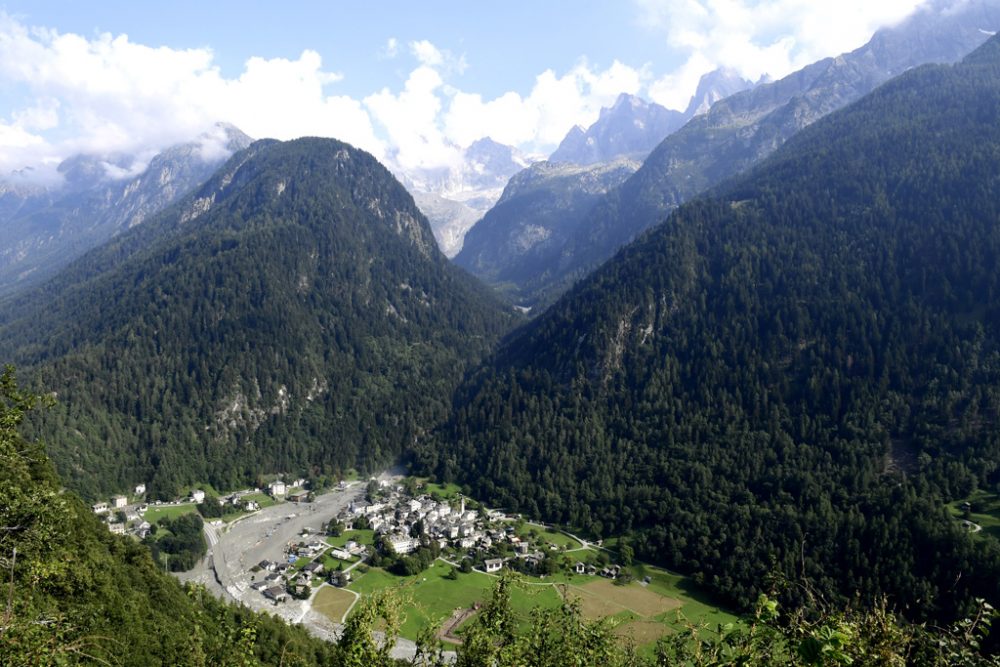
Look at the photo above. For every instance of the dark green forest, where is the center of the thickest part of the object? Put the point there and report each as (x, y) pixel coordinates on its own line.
(294, 314)
(73, 593)
(76, 595)
(789, 376)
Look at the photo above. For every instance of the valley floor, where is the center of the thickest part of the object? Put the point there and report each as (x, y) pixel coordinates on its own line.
(235, 548)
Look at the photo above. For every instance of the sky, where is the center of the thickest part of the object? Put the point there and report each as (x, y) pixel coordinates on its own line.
(411, 82)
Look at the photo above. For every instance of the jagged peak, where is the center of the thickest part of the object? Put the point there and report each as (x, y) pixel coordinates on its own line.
(714, 86)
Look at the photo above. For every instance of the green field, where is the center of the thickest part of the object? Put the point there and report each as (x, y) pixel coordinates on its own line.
(985, 512)
(366, 537)
(262, 499)
(642, 613)
(429, 597)
(445, 491)
(331, 563)
(157, 513)
(553, 537)
(696, 605)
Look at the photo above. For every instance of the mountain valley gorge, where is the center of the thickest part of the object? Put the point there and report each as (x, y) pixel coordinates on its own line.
(751, 347)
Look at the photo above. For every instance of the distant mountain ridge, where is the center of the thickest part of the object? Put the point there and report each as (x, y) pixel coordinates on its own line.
(743, 128)
(631, 127)
(712, 87)
(46, 228)
(518, 242)
(454, 197)
(524, 232)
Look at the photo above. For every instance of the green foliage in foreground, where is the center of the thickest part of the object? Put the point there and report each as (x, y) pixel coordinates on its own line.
(72, 593)
(77, 595)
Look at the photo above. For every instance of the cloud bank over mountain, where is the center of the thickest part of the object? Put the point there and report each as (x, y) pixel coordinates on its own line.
(68, 93)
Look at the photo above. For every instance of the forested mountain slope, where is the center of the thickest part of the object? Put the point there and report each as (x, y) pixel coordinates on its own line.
(77, 595)
(74, 594)
(294, 314)
(787, 376)
(742, 129)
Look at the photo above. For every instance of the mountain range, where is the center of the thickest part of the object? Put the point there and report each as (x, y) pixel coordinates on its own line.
(789, 376)
(736, 133)
(766, 355)
(100, 196)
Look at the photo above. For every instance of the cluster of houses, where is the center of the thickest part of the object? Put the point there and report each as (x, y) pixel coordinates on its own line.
(272, 584)
(280, 579)
(133, 523)
(464, 530)
(482, 535)
(395, 517)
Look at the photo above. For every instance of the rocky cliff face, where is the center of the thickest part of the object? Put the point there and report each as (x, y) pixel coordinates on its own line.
(527, 229)
(454, 198)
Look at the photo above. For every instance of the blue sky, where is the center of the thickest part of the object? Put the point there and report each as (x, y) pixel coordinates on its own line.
(506, 44)
(411, 82)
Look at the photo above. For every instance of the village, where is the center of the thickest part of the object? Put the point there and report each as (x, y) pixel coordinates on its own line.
(407, 531)
(127, 515)
(401, 520)
(310, 555)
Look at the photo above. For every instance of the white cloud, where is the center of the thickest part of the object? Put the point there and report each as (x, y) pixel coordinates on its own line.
(108, 95)
(426, 53)
(429, 121)
(390, 50)
(443, 60)
(758, 37)
(410, 119)
(554, 105)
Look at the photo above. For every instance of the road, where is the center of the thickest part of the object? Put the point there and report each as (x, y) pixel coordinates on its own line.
(236, 547)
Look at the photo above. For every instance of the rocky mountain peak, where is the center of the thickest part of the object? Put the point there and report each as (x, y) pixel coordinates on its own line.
(714, 86)
(631, 127)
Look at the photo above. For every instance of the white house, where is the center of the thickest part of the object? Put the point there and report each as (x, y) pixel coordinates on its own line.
(140, 489)
(493, 565)
(119, 502)
(251, 506)
(403, 544)
(198, 496)
(117, 528)
(341, 554)
(277, 488)
(100, 508)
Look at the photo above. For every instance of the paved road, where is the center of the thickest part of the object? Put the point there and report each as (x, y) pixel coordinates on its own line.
(235, 548)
